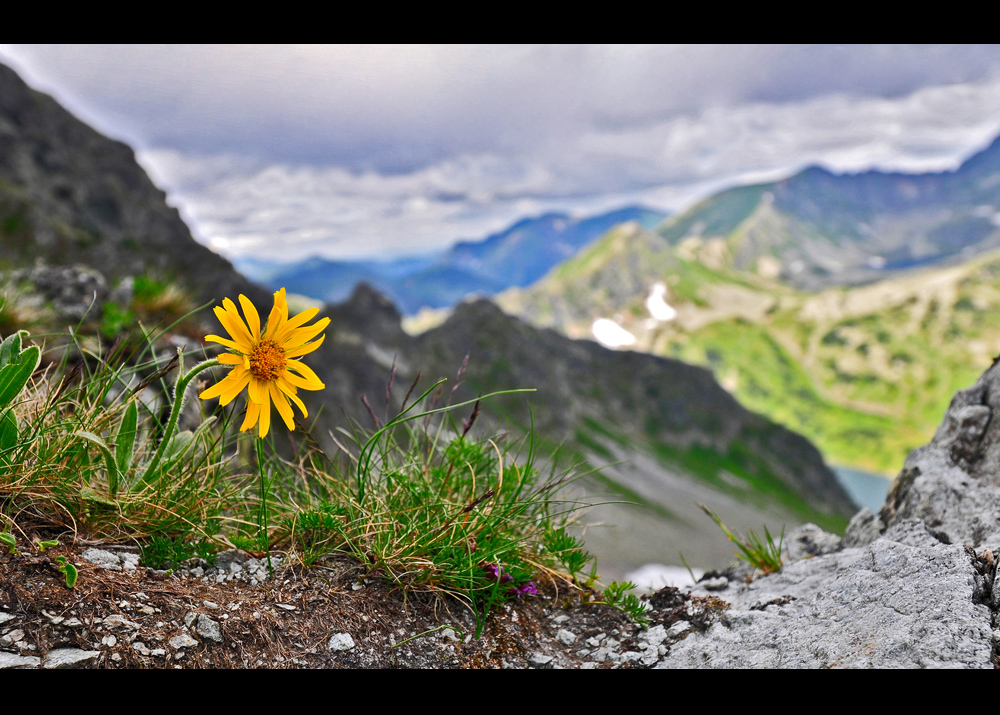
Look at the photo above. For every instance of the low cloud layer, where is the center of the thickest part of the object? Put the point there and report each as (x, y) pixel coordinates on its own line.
(347, 152)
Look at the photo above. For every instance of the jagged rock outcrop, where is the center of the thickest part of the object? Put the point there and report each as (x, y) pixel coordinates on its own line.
(910, 587)
(72, 195)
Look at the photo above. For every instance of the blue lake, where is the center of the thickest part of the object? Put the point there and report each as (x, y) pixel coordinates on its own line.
(865, 488)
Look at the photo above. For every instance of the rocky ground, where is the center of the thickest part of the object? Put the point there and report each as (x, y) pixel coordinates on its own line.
(233, 615)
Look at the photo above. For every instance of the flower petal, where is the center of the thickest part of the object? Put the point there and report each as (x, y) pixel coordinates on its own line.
(278, 316)
(253, 412)
(253, 318)
(242, 334)
(219, 387)
(304, 317)
(311, 377)
(227, 343)
(289, 390)
(230, 359)
(304, 335)
(305, 349)
(265, 414)
(284, 409)
(236, 387)
(256, 391)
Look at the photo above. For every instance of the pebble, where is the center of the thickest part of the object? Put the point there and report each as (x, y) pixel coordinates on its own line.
(540, 660)
(4, 617)
(654, 636)
(109, 641)
(210, 604)
(118, 621)
(182, 641)
(566, 637)
(209, 629)
(140, 648)
(589, 665)
(285, 606)
(561, 619)
(714, 584)
(341, 641)
(678, 628)
(61, 658)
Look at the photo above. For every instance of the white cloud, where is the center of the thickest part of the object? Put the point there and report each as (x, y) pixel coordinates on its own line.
(359, 151)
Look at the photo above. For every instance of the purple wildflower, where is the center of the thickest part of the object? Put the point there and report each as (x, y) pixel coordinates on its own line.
(527, 589)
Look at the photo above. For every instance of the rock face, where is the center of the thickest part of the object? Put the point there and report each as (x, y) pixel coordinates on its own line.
(911, 587)
(71, 195)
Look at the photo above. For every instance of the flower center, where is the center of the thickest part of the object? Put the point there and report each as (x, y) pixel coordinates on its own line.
(267, 360)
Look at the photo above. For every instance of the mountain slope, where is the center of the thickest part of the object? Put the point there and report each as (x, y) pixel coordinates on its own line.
(817, 229)
(865, 372)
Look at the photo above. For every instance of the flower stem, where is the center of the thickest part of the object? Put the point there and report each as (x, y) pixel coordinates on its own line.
(262, 526)
(180, 387)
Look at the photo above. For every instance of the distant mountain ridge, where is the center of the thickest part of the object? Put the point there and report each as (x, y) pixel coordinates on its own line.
(819, 229)
(517, 256)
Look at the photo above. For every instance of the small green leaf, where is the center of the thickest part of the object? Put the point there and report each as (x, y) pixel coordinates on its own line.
(42, 545)
(15, 375)
(125, 439)
(9, 541)
(71, 574)
(10, 348)
(8, 433)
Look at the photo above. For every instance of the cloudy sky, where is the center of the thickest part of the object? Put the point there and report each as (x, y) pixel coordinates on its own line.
(346, 152)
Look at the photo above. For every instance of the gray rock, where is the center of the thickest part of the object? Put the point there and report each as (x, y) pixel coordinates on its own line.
(181, 641)
(9, 661)
(864, 528)
(341, 641)
(140, 648)
(540, 660)
(653, 636)
(566, 637)
(116, 621)
(678, 628)
(61, 658)
(953, 483)
(904, 601)
(714, 584)
(209, 629)
(809, 540)
(105, 559)
(4, 617)
(129, 561)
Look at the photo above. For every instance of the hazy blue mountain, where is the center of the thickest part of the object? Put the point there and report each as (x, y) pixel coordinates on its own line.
(818, 229)
(517, 256)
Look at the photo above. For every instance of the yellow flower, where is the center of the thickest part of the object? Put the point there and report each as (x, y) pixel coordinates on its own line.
(263, 361)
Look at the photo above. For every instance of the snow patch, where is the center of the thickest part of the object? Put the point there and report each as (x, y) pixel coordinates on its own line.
(610, 334)
(658, 306)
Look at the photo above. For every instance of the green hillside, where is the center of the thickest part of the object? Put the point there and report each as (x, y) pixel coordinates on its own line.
(864, 372)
